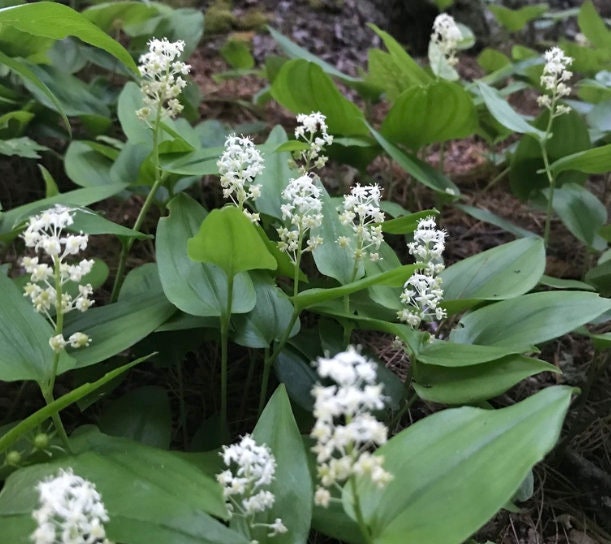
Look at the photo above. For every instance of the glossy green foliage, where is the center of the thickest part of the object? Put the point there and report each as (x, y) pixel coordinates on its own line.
(464, 456)
(437, 112)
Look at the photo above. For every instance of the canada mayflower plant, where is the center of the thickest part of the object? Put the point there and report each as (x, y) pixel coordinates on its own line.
(250, 471)
(70, 511)
(553, 80)
(162, 80)
(239, 165)
(361, 210)
(47, 234)
(422, 293)
(446, 36)
(312, 129)
(345, 429)
(302, 208)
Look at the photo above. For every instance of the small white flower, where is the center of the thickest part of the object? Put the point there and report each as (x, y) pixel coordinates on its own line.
(161, 78)
(312, 129)
(303, 208)
(446, 36)
(361, 210)
(71, 511)
(553, 80)
(345, 429)
(422, 292)
(46, 233)
(251, 469)
(239, 165)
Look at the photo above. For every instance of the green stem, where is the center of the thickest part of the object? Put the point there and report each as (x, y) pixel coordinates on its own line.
(127, 245)
(57, 422)
(285, 336)
(550, 177)
(225, 320)
(267, 365)
(297, 264)
(356, 503)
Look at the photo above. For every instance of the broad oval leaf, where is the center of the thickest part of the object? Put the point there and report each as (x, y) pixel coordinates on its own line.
(434, 113)
(268, 320)
(168, 499)
(530, 319)
(24, 339)
(228, 239)
(475, 383)
(56, 21)
(195, 288)
(499, 273)
(303, 87)
(292, 485)
(591, 161)
(457, 457)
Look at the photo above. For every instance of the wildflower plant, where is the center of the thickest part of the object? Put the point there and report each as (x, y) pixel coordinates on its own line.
(239, 165)
(250, 470)
(361, 211)
(443, 45)
(312, 129)
(345, 429)
(70, 511)
(422, 292)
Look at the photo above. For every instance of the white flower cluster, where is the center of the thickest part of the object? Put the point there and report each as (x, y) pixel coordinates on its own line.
(553, 79)
(361, 210)
(302, 207)
(239, 165)
(422, 292)
(345, 430)
(244, 489)
(71, 511)
(162, 80)
(312, 129)
(46, 233)
(446, 36)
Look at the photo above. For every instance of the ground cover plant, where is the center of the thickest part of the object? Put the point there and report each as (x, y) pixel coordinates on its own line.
(209, 381)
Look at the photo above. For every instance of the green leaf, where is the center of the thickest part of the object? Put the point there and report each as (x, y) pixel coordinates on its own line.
(499, 273)
(530, 319)
(115, 327)
(87, 167)
(51, 188)
(21, 147)
(458, 457)
(56, 21)
(581, 212)
(90, 222)
(303, 87)
(489, 217)
(10, 220)
(237, 54)
(275, 175)
(420, 170)
(24, 339)
(504, 114)
(406, 223)
(35, 420)
(593, 26)
(196, 288)
(394, 277)
(142, 415)
(292, 485)
(590, 161)
(600, 277)
(453, 355)
(439, 64)
(268, 320)
(428, 114)
(296, 52)
(228, 239)
(527, 173)
(475, 383)
(406, 68)
(111, 16)
(516, 19)
(492, 60)
(155, 509)
(27, 74)
(130, 101)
